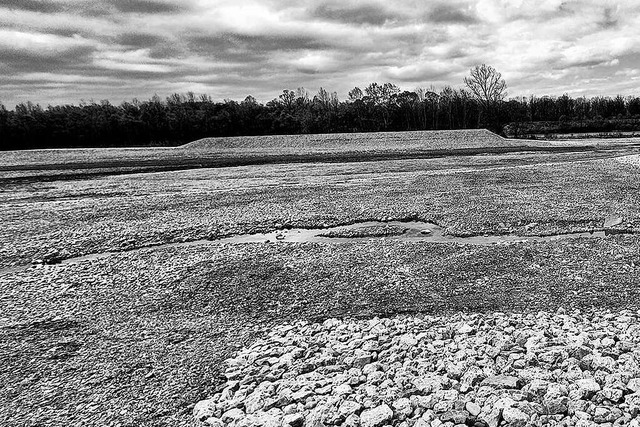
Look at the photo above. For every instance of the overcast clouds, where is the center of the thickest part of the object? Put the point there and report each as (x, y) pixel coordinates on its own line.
(62, 51)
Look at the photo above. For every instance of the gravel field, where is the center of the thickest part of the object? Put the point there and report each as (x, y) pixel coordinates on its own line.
(138, 338)
(114, 342)
(467, 196)
(36, 166)
(262, 149)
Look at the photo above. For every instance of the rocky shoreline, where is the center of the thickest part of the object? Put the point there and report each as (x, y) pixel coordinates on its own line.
(513, 369)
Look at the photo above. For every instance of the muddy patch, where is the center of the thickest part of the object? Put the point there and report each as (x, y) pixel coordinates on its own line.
(414, 231)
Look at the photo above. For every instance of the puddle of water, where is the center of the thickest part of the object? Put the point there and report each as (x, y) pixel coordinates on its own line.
(409, 231)
(414, 231)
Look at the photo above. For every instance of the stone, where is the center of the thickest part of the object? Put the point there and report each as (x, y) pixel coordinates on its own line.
(443, 406)
(427, 384)
(370, 368)
(556, 405)
(343, 389)
(213, 422)
(349, 407)
(424, 402)
(456, 417)
(612, 221)
(473, 376)
(601, 415)
(491, 418)
(232, 415)
(204, 409)
(455, 370)
(352, 421)
(293, 420)
(473, 408)
(466, 329)
(302, 394)
(256, 400)
(316, 416)
(612, 394)
(587, 387)
(515, 417)
(376, 417)
(407, 340)
(633, 385)
(633, 401)
(501, 381)
(403, 408)
(375, 377)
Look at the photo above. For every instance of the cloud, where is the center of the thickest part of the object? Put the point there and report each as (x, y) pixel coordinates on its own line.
(315, 63)
(131, 61)
(139, 40)
(238, 46)
(450, 14)
(358, 14)
(44, 6)
(27, 52)
(421, 72)
(145, 6)
(65, 50)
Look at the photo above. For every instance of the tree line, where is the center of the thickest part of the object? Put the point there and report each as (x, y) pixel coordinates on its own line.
(181, 118)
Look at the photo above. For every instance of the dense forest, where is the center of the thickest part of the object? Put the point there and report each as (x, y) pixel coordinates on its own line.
(379, 107)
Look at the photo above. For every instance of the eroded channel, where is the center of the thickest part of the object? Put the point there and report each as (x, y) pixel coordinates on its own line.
(362, 231)
(392, 230)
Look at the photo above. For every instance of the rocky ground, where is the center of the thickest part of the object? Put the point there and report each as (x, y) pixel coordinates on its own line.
(558, 369)
(465, 195)
(137, 338)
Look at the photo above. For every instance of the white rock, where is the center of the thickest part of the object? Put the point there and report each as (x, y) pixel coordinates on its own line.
(204, 409)
(634, 384)
(587, 387)
(466, 329)
(232, 415)
(342, 390)
(403, 407)
(293, 420)
(376, 417)
(472, 408)
(352, 421)
(514, 416)
(349, 407)
(213, 422)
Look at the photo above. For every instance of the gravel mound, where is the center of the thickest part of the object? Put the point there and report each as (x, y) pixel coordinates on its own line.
(440, 139)
(633, 160)
(526, 369)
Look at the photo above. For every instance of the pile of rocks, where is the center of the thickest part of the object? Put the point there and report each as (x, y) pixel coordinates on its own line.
(426, 371)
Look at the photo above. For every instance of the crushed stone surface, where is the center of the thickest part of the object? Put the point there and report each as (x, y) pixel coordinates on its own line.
(494, 369)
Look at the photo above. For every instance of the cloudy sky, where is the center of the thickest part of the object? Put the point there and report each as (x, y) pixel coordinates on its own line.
(62, 51)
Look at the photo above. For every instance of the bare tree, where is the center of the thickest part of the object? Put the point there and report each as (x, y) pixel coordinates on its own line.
(486, 84)
(489, 88)
(323, 98)
(287, 97)
(355, 94)
(302, 94)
